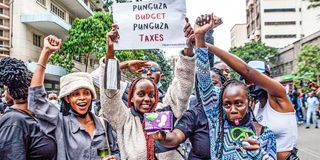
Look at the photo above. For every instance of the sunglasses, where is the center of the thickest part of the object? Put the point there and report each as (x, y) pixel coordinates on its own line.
(239, 133)
(151, 69)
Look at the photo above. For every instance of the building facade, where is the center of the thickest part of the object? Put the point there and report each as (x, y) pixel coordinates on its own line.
(32, 20)
(286, 61)
(5, 11)
(25, 23)
(238, 35)
(279, 23)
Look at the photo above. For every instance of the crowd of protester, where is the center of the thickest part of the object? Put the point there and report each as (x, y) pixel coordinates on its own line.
(251, 118)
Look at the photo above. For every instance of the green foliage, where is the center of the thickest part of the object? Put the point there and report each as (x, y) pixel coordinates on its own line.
(308, 63)
(255, 50)
(166, 69)
(86, 36)
(314, 4)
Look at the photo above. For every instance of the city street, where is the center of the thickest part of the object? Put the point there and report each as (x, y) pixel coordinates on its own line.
(309, 143)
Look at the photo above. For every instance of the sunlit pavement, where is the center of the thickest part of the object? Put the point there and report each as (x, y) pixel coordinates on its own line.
(309, 143)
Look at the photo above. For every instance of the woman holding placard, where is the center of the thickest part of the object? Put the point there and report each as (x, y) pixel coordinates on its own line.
(134, 141)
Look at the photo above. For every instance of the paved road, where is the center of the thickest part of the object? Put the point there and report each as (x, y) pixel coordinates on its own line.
(309, 143)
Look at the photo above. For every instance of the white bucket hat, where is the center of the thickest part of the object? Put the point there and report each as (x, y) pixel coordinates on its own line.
(73, 81)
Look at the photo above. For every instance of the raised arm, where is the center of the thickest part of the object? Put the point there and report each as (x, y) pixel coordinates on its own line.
(208, 93)
(180, 89)
(276, 91)
(113, 109)
(37, 99)
(51, 44)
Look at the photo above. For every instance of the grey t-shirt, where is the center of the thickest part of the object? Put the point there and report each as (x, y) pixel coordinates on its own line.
(21, 138)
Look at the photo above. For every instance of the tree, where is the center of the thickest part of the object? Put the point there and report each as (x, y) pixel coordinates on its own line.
(255, 50)
(314, 4)
(86, 37)
(308, 63)
(166, 69)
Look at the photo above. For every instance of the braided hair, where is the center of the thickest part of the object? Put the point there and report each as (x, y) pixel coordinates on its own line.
(219, 72)
(221, 117)
(16, 76)
(149, 139)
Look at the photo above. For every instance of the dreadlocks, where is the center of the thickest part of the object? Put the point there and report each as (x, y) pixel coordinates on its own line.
(149, 139)
(16, 76)
(220, 138)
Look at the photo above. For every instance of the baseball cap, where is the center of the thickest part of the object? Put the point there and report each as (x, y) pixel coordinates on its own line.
(260, 66)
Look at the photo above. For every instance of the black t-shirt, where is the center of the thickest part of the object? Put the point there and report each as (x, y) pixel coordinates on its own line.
(194, 125)
(21, 138)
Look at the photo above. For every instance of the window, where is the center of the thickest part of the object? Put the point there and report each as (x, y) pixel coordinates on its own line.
(1, 33)
(281, 36)
(57, 11)
(1, 21)
(42, 2)
(280, 23)
(71, 19)
(92, 7)
(280, 10)
(1, 44)
(1, 10)
(37, 40)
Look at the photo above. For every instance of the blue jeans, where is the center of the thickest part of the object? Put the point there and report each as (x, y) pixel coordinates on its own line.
(314, 116)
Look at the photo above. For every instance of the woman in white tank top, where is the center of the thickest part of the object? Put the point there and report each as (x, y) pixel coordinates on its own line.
(273, 109)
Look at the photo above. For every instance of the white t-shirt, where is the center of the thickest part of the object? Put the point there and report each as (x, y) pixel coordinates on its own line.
(312, 103)
(283, 125)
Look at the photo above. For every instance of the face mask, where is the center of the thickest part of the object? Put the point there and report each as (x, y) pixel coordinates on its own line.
(3, 100)
(159, 84)
(257, 92)
(55, 102)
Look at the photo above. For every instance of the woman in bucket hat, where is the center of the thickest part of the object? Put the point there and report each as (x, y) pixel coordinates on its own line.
(79, 133)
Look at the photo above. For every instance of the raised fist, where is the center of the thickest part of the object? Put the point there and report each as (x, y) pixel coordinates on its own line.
(52, 44)
(206, 22)
(113, 36)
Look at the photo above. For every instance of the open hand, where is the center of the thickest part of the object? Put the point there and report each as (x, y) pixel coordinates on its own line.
(136, 65)
(51, 44)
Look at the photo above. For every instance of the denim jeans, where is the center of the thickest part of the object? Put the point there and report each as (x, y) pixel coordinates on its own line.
(314, 116)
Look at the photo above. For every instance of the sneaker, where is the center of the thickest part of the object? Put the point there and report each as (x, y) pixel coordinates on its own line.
(300, 122)
(307, 127)
(316, 126)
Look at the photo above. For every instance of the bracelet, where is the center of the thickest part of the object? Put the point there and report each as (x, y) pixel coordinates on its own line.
(44, 67)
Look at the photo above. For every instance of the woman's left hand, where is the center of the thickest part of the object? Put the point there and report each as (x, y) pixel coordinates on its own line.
(251, 144)
(109, 158)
